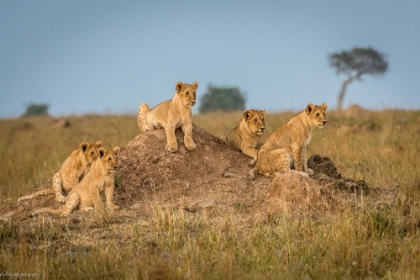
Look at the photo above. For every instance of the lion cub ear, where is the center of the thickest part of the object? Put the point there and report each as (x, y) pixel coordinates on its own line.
(98, 144)
(194, 86)
(84, 146)
(324, 106)
(309, 108)
(179, 86)
(247, 114)
(262, 112)
(102, 151)
(116, 150)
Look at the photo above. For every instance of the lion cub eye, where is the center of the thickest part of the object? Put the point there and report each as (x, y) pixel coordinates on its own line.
(317, 114)
(255, 120)
(187, 93)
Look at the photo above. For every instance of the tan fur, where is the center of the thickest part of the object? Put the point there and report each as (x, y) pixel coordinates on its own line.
(286, 147)
(248, 135)
(86, 195)
(71, 172)
(170, 115)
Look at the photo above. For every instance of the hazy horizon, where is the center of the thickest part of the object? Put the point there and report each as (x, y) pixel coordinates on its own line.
(108, 57)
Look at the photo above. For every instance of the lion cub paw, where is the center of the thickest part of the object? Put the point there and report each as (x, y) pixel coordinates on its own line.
(190, 145)
(172, 147)
(304, 174)
(250, 176)
(113, 208)
(309, 171)
(61, 199)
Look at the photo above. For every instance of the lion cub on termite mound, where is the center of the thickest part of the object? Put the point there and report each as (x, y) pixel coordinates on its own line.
(86, 194)
(71, 172)
(171, 114)
(286, 147)
(249, 133)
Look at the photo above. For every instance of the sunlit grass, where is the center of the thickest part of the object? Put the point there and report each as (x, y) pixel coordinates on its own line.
(373, 242)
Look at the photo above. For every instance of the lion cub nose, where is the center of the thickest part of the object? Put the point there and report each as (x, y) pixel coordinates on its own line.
(324, 122)
(262, 129)
(193, 102)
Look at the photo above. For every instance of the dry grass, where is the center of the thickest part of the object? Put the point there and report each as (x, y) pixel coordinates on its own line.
(372, 241)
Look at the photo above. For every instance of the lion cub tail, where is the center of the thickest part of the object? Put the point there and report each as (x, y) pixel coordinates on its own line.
(38, 193)
(143, 110)
(47, 210)
(251, 174)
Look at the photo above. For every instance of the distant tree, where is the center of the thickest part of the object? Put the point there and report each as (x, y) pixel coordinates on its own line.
(354, 64)
(222, 99)
(36, 110)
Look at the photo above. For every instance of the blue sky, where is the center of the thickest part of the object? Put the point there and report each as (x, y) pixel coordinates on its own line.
(110, 56)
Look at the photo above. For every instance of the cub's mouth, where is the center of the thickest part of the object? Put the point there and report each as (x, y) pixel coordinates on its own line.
(260, 132)
(323, 124)
(112, 170)
(190, 103)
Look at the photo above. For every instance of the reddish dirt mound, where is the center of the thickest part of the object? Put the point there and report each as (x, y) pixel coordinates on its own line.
(213, 176)
(145, 163)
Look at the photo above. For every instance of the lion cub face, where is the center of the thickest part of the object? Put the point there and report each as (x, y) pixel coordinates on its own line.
(186, 93)
(317, 115)
(109, 158)
(90, 151)
(255, 120)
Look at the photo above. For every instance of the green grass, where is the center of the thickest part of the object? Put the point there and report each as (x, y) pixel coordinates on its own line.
(373, 241)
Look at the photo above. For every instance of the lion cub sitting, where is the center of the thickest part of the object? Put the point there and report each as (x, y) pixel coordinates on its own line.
(71, 172)
(248, 135)
(171, 114)
(286, 147)
(86, 195)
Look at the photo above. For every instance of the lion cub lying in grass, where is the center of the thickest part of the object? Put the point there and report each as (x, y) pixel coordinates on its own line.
(286, 147)
(248, 135)
(171, 114)
(86, 195)
(71, 172)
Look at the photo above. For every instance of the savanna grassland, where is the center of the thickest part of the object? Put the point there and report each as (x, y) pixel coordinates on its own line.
(371, 241)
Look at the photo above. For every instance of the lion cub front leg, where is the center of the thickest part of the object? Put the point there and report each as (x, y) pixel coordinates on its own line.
(188, 140)
(297, 157)
(109, 195)
(96, 199)
(249, 151)
(305, 162)
(171, 143)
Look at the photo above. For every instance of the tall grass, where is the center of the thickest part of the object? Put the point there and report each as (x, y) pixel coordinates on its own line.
(370, 242)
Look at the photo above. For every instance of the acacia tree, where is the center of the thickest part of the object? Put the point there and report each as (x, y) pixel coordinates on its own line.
(222, 99)
(354, 64)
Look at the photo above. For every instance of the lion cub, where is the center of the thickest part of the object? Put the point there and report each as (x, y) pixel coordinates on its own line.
(86, 195)
(171, 114)
(286, 147)
(71, 172)
(248, 135)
